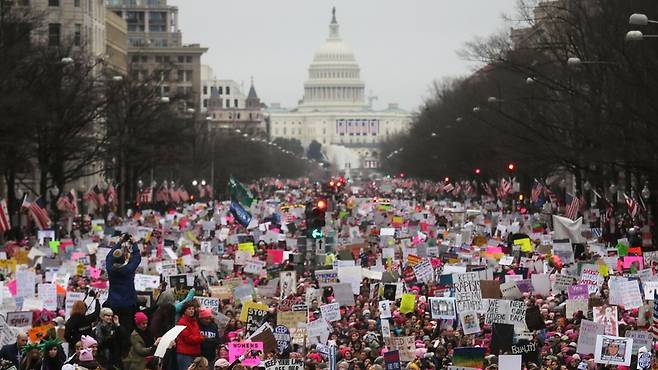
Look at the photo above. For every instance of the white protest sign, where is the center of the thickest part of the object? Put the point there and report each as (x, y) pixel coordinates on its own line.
(254, 266)
(208, 302)
(510, 290)
(48, 294)
(72, 297)
(146, 282)
(467, 291)
(25, 283)
(19, 319)
(589, 330)
(166, 340)
(330, 312)
(613, 350)
(562, 282)
(384, 309)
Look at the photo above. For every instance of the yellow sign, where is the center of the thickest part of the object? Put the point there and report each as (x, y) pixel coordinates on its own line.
(251, 305)
(249, 247)
(408, 303)
(9, 265)
(603, 269)
(525, 244)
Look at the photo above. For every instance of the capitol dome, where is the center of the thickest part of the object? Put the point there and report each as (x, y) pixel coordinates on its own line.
(334, 76)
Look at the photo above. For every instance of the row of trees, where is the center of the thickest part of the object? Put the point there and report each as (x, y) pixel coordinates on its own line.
(65, 115)
(564, 93)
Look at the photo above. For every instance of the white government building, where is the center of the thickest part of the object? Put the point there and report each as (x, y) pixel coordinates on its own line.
(334, 110)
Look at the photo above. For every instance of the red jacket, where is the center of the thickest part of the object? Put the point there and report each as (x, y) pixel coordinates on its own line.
(190, 339)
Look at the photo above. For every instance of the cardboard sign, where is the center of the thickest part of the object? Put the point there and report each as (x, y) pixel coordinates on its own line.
(469, 321)
(145, 283)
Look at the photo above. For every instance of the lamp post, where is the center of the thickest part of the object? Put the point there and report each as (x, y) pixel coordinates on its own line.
(638, 36)
(638, 19)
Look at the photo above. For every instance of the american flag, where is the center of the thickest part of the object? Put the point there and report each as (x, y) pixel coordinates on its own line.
(456, 190)
(68, 202)
(632, 206)
(537, 190)
(174, 195)
(606, 216)
(38, 211)
(469, 190)
(111, 195)
(504, 189)
(183, 194)
(145, 196)
(5, 224)
(95, 194)
(163, 193)
(487, 189)
(572, 206)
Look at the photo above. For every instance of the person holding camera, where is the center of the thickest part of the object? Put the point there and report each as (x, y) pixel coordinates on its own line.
(121, 265)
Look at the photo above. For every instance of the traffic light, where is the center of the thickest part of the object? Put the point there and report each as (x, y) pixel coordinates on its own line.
(315, 218)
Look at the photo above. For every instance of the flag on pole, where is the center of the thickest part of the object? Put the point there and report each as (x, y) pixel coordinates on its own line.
(111, 195)
(38, 211)
(163, 193)
(67, 202)
(572, 206)
(5, 223)
(632, 206)
(145, 196)
(537, 190)
(239, 192)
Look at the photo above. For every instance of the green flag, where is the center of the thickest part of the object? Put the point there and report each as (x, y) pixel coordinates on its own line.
(240, 193)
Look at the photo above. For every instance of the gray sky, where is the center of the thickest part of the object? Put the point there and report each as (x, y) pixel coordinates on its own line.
(401, 45)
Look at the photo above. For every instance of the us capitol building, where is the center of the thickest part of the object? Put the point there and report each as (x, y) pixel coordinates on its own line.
(334, 110)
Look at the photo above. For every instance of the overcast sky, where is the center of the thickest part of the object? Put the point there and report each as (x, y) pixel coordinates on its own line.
(401, 45)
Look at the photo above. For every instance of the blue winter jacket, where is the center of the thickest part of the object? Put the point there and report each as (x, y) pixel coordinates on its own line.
(122, 280)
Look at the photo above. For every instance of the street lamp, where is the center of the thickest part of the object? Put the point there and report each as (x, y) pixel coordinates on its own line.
(576, 62)
(67, 60)
(476, 109)
(529, 81)
(459, 119)
(433, 134)
(613, 189)
(164, 99)
(203, 182)
(637, 36)
(638, 19)
(194, 183)
(140, 184)
(117, 78)
(493, 99)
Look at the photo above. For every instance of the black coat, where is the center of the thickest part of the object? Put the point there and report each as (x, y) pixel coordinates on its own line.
(79, 325)
(10, 352)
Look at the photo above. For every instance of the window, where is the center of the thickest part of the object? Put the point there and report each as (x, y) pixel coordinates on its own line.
(77, 34)
(188, 76)
(158, 58)
(76, 3)
(181, 59)
(205, 90)
(235, 102)
(145, 59)
(220, 90)
(285, 131)
(228, 90)
(54, 34)
(205, 103)
(181, 75)
(53, 2)
(228, 103)
(238, 115)
(188, 59)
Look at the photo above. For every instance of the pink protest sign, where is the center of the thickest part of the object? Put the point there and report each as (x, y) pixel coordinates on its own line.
(236, 349)
(638, 260)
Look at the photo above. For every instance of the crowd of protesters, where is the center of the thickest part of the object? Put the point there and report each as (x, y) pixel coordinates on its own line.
(115, 328)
